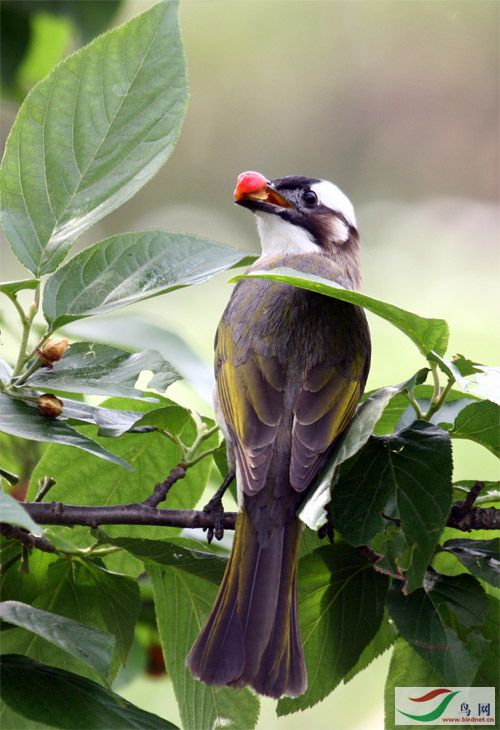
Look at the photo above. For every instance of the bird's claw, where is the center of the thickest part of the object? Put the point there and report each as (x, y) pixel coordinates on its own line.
(216, 510)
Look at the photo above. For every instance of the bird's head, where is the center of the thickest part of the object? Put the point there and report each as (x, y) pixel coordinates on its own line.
(298, 215)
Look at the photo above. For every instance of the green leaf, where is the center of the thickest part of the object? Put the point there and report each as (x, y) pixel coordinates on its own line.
(91, 368)
(95, 648)
(361, 427)
(111, 422)
(341, 605)
(19, 419)
(442, 623)
(407, 669)
(405, 476)
(427, 334)
(383, 639)
(486, 383)
(183, 595)
(12, 287)
(399, 413)
(118, 600)
(81, 590)
(14, 514)
(180, 553)
(479, 422)
(481, 557)
(91, 134)
(128, 268)
(462, 595)
(487, 675)
(85, 481)
(36, 697)
(137, 331)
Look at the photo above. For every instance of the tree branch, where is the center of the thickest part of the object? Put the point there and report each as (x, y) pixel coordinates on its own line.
(475, 518)
(11, 532)
(136, 513)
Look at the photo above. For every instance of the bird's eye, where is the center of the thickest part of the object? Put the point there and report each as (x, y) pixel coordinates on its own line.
(310, 198)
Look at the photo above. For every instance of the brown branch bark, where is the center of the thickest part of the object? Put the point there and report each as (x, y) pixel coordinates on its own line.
(55, 513)
(11, 532)
(135, 513)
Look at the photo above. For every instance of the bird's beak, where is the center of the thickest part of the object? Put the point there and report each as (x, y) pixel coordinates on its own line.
(254, 191)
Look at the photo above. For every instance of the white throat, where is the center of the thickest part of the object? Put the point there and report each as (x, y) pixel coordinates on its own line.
(278, 237)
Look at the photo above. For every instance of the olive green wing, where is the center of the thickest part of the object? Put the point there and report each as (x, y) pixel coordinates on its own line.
(251, 392)
(325, 405)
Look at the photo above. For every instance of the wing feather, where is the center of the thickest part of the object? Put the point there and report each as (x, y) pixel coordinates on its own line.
(252, 389)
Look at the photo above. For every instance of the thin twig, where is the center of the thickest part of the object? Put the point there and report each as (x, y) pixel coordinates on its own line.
(473, 494)
(162, 488)
(11, 532)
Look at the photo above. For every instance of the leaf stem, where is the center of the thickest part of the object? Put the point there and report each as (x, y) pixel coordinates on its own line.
(27, 320)
(436, 404)
(415, 405)
(203, 434)
(199, 457)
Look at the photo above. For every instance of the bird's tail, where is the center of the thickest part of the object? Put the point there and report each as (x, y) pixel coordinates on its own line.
(252, 635)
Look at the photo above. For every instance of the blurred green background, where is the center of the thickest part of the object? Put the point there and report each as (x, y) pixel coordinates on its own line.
(395, 101)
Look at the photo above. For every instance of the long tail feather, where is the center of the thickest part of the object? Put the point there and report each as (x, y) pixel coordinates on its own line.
(252, 635)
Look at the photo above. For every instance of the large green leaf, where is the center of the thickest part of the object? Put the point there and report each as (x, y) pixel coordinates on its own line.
(481, 557)
(14, 514)
(479, 422)
(37, 697)
(75, 589)
(183, 553)
(91, 368)
(443, 624)
(383, 640)
(341, 606)
(405, 476)
(95, 648)
(184, 592)
(91, 134)
(118, 600)
(130, 267)
(364, 422)
(19, 419)
(427, 334)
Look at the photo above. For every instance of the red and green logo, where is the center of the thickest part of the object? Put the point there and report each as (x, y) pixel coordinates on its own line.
(432, 715)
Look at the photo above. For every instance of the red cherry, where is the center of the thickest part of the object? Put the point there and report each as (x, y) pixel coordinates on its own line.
(249, 182)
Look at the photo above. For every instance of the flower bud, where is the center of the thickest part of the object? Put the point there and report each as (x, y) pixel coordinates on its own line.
(53, 349)
(49, 405)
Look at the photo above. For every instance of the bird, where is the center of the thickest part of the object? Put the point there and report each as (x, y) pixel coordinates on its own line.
(290, 369)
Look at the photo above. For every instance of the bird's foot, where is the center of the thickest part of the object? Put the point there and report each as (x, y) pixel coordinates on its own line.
(215, 509)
